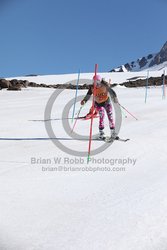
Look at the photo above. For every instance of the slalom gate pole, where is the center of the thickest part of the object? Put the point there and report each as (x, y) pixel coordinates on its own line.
(127, 111)
(93, 106)
(163, 86)
(146, 92)
(76, 119)
(76, 92)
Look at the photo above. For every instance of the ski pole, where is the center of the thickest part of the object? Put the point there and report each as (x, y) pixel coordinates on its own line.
(123, 113)
(76, 118)
(93, 106)
(76, 92)
(127, 111)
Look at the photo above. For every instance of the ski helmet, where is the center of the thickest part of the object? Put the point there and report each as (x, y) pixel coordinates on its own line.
(97, 78)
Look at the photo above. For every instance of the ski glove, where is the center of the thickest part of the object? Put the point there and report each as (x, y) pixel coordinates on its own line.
(83, 102)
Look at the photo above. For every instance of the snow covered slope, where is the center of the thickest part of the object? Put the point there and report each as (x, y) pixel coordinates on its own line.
(114, 77)
(121, 208)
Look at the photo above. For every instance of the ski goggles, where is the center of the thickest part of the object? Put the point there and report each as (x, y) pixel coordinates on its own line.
(97, 82)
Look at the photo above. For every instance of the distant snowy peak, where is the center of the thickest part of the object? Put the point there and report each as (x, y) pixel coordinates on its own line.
(138, 65)
(152, 61)
(160, 57)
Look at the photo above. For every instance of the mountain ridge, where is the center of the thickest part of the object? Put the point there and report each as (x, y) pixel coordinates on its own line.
(158, 60)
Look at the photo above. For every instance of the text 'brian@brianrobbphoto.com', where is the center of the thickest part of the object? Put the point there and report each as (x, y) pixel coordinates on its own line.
(67, 164)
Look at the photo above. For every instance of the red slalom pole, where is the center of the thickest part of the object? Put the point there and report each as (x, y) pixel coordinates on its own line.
(93, 107)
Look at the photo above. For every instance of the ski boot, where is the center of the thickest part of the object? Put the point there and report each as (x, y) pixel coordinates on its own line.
(101, 134)
(113, 134)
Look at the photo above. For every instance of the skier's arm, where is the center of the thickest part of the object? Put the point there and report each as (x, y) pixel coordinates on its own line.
(88, 95)
(113, 95)
(111, 91)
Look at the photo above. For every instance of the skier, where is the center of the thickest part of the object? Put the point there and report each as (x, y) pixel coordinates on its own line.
(102, 103)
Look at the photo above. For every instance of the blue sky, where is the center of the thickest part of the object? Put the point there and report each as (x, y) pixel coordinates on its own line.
(61, 36)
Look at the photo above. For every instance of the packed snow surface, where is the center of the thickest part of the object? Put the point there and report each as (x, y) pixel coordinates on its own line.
(118, 201)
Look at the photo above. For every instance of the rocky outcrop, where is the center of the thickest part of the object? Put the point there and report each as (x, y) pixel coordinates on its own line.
(15, 88)
(143, 62)
(15, 85)
(160, 57)
(152, 81)
(4, 84)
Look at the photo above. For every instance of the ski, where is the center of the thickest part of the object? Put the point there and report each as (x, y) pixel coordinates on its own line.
(121, 139)
(109, 139)
(87, 117)
(65, 118)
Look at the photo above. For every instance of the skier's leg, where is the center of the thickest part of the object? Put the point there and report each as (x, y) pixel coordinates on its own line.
(108, 108)
(101, 116)
(101, 120)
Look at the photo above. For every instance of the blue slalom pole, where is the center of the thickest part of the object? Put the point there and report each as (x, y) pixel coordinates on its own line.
(76, 92)
(163, 86)
(146, 87)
